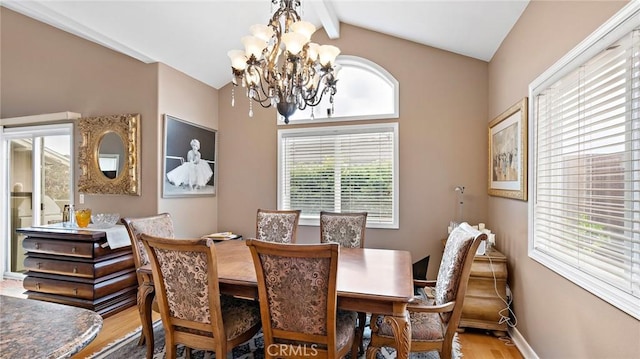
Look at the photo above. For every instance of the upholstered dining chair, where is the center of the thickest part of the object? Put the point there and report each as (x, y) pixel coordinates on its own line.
(277, 225)
(298, 301)
(157, 225)
(434, 321)
(348, 230)
(193, 311)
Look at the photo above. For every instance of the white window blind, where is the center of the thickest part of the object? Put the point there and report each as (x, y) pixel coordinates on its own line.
(585, 218)
(340, 169)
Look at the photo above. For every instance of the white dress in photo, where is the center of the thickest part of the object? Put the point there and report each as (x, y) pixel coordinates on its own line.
(193, 173)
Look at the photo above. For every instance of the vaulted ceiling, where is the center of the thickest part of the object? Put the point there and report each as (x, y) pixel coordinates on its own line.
(194, 36)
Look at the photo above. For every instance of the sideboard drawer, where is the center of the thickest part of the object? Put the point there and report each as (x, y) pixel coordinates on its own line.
(483, 267)
(59, 287)
(63, 248)
(80, 287)
(486, 287)
(78, 268)
(75, 269)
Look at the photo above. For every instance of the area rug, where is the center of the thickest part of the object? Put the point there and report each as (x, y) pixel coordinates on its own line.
(127, 347)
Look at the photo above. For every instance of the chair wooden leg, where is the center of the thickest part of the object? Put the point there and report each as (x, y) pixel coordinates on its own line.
(362, 322)
(356, 346)
(145, 300)
(141, 339)
(170, 351)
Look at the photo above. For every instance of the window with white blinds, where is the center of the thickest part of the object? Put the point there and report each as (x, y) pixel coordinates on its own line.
(340, 169)
(585, 138)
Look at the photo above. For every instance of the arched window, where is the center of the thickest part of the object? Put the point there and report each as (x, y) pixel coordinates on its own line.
(344, 168)
(365, 91)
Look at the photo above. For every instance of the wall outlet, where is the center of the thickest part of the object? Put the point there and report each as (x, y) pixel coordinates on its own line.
(81, 198)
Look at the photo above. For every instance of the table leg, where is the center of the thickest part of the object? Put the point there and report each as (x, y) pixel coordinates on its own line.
(401, 327)
(145, 301)
(402, 332)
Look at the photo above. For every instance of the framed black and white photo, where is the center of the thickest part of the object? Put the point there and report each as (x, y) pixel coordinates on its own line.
(189, 168)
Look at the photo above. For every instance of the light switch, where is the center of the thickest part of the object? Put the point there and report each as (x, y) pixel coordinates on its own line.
(81, 198)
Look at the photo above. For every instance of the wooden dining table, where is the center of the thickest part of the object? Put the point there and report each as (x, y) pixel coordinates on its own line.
(369, 280)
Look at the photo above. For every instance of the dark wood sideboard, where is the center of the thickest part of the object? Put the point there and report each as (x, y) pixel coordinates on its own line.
(76, 267)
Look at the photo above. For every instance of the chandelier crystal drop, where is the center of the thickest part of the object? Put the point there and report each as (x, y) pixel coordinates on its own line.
(281, 67)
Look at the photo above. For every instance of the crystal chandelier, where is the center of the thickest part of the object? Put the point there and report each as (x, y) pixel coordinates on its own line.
(281, 67)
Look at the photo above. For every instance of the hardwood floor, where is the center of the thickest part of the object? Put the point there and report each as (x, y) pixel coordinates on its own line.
(478, 344)
(113, 328)
(475, 344)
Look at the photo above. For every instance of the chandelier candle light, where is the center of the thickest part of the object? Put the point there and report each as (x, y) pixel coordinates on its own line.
(281, 67)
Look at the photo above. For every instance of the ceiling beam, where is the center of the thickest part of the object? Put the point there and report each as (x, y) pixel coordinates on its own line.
(328, 17)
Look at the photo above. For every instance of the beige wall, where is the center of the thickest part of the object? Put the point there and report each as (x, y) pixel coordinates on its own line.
(442, 144)
(556, 317)
(45, 70)
(181, 96)
(59, 72)
(446, 102)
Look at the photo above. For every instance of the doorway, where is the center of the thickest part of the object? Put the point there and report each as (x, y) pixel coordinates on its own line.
(36, 184)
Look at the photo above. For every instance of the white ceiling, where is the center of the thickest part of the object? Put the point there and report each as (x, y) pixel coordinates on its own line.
(194, 36)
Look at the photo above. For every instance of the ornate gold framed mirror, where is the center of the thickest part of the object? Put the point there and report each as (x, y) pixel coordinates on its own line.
(108, 154)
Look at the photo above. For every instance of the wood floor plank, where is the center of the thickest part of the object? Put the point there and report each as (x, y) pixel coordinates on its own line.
(479, 344)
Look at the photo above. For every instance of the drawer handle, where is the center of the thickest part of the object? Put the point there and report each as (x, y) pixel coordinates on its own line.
(37, 245)
(37, 286)
(39, 265)
(75, 291)
(75, 269)
(73, 249)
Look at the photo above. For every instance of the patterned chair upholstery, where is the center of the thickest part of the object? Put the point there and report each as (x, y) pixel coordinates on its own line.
(346, 229)
(298, 301)
(193, 311)
(157, 225)
(278, 226)
(434, 321)
(160, 225)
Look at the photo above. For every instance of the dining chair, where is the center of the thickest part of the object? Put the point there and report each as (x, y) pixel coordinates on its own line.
(277, 225)
(194, 314)
(157, 225)
(348, 230)
(434, 321)
(298, 301)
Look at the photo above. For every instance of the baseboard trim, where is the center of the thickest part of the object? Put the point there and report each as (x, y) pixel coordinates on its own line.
(522, 345)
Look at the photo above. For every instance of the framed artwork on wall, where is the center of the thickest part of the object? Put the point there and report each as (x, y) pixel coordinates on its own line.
(508, 153)
(189, 166)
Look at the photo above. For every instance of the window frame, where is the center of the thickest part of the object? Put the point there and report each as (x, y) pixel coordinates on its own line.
(368, 66)
(627, 19)
(394, 130)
